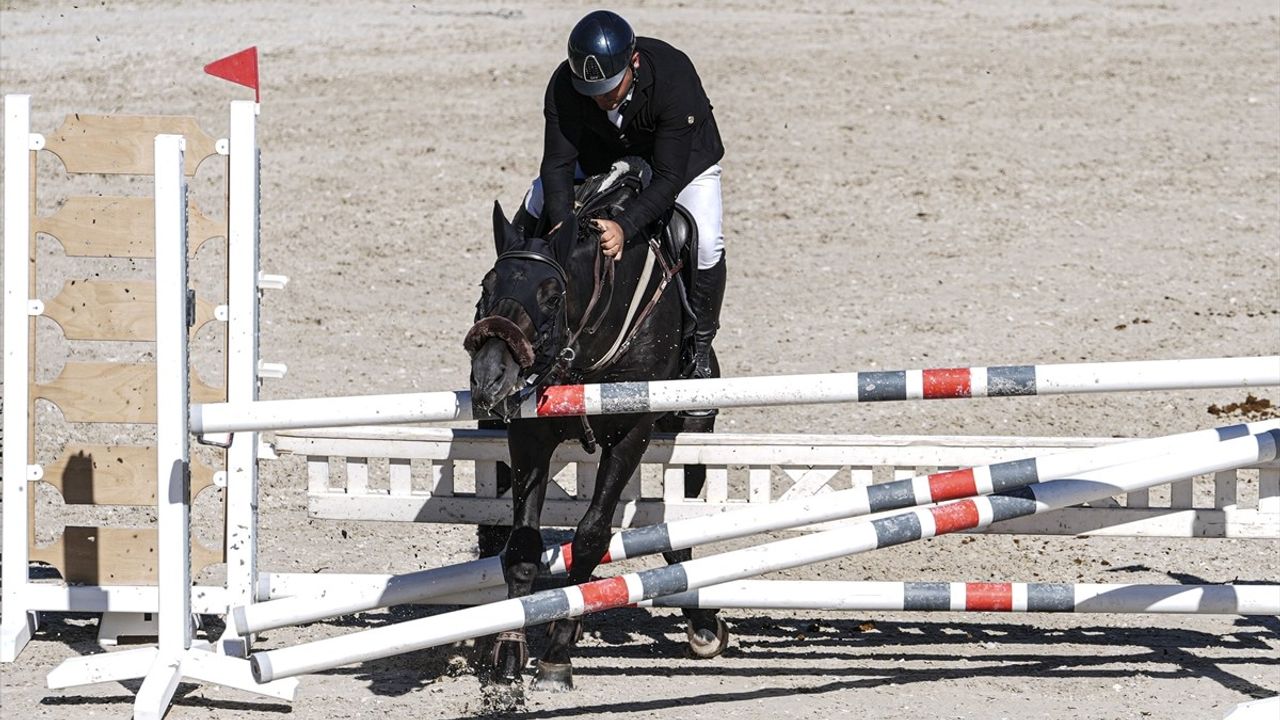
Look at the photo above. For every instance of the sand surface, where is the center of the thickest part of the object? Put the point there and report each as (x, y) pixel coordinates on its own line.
(907, 185)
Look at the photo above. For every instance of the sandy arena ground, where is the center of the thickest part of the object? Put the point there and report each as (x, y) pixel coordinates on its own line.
(908, 184)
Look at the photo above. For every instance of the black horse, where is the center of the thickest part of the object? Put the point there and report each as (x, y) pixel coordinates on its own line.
(554, 310)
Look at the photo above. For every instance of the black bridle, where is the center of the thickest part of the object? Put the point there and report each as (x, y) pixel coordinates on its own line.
(549, 362)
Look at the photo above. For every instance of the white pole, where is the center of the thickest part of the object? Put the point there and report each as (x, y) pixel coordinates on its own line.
(172, 436)
(674, 395)
(902, 596)
(980, 597)
(342, 598)
(620, 591)
(16, 623)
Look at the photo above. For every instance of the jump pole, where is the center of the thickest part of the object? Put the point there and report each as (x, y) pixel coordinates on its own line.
(973, 513)
(674, 395)
(355, 594)
(980, 597)
(882, 596)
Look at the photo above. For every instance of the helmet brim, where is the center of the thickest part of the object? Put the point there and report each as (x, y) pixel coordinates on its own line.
(598, 87)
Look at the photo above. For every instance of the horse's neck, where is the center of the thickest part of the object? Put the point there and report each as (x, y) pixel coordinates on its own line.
(615, 297)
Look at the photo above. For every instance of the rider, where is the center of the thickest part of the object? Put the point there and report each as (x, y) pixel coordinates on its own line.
(619, 95)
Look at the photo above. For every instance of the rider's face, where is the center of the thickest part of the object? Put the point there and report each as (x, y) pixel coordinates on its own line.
(613, 98)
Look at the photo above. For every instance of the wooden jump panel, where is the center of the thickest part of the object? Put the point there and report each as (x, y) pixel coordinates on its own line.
(112, 310)
(113, 556)
(104, 226)
(113, 392)
(114, 475)
(124, 144)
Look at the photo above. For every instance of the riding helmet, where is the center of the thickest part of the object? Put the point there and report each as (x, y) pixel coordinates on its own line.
(600, 49)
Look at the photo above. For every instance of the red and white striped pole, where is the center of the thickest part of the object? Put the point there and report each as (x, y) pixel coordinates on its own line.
(1010, 597)
(662, 396)
(356, 594)
(980, 597)
(549, 605)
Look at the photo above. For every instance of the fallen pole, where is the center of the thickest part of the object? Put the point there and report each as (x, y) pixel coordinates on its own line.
(980, 597)
(355, 594)
(672, 395)
(969, 514)
(883, 596)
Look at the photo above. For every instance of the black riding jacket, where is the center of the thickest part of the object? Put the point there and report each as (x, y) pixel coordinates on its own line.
(668, 122)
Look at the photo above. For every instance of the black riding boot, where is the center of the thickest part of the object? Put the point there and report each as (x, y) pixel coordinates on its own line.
(708, 292)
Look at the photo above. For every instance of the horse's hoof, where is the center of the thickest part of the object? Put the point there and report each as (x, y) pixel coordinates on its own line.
(705, 644)
(555, 677)
(508, 657)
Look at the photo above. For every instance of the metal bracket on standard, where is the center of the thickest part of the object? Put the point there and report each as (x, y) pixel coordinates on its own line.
(272, 370)
(272, 282)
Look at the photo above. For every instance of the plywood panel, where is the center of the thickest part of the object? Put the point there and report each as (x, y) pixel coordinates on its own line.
(114, 475)
(124, 227)
(112, 556)
(113, 392)
(123, 144)
(112, 310)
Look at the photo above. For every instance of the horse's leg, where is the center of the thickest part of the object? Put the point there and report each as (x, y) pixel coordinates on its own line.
(531, 448)
(617, 464)
(708, 634)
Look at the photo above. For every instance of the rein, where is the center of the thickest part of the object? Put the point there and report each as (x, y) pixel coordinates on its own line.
(603, 274)
(558, 367)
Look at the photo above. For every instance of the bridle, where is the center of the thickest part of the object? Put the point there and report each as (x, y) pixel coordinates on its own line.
(549, 365)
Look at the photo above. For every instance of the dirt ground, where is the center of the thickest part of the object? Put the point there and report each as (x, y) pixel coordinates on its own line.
(907, 184)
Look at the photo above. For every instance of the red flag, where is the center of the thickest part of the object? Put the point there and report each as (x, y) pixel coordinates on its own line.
(240, 68)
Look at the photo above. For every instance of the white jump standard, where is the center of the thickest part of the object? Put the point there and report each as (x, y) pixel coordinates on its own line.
(861, 500)
(178, 654)
(973, 513)
(675, 395)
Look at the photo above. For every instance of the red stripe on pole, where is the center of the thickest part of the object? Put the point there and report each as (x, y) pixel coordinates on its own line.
(996, 597)
(562, 401)
(606, 559)
(952, 485)
(962, 515)
(947, 383)
(605, 594)
(240, 68)
(566, 554)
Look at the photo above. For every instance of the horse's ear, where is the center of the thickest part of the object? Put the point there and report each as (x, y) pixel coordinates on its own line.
(505, 236)
(499, 228)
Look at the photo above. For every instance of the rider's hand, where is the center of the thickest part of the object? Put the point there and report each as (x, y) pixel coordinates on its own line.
(611, 238)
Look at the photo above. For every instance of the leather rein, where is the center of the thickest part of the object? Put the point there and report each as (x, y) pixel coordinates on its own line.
(603, 274)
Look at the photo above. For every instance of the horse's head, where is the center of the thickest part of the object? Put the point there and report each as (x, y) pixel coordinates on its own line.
(520, 319)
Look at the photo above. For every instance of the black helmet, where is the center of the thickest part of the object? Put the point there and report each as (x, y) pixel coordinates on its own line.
(600, 49)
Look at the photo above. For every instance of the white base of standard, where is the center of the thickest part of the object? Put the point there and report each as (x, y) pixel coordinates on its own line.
(161, 674)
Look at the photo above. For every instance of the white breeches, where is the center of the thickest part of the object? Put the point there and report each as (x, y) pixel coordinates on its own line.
(701, 198)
